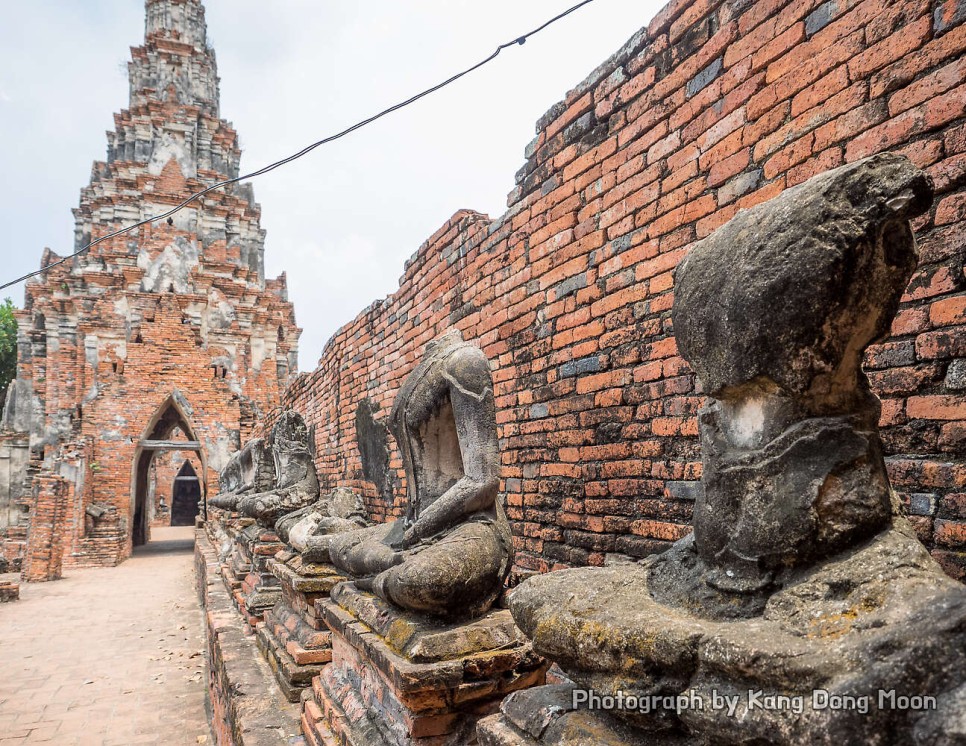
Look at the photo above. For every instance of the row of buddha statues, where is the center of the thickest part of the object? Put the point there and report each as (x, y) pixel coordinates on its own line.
(450, 554)
(801, 572)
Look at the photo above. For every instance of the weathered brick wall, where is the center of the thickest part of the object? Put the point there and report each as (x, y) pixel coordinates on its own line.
(46, 537)
(716, 106)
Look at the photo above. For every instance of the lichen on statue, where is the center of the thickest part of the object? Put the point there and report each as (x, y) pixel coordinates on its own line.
(449, 555)
(296, 482)
(311, 530)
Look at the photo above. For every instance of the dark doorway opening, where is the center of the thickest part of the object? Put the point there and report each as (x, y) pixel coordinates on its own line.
(140, 532)
(185, 496)
(168, 431)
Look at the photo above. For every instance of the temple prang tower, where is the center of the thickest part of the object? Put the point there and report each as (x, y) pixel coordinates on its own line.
(165, 340)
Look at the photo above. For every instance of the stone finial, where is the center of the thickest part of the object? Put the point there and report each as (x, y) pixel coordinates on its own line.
(179, 20)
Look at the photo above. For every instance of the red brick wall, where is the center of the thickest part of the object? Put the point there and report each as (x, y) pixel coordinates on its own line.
(714, 107)
(177, 309)
(44, 556)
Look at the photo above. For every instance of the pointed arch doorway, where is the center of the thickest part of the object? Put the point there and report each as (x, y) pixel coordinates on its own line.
(170, 429)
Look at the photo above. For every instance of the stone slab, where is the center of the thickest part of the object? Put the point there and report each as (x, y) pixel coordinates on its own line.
(242, 693)
(399, 680)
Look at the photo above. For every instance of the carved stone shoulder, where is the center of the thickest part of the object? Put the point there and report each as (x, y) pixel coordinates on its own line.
(468, 370)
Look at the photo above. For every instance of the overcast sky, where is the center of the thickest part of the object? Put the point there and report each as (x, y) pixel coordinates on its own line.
(343, 220)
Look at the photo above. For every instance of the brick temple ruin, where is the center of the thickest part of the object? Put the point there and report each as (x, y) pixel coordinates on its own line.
(522, 406)
(144, 363)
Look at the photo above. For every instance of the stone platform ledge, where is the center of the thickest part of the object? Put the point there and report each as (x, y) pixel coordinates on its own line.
(292, 677)
(295, 642)
(397, 679)
(244, 705)
(881, 617)
(314, 578)
(545, 716)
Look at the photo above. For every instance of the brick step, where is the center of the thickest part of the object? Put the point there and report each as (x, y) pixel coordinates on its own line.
(292, 677)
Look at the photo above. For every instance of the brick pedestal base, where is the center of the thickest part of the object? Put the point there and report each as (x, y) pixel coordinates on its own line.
(236, 561)
(244, 567)
(294, 638)
(260, 590)
(399, 680)
(9, 591)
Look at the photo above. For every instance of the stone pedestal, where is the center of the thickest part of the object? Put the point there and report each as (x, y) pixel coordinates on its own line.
(294, 637)
(253, 587)
(397, 679)
(9, 590)
(260, 590)
(236, 564)
(546, 715)
(856, 629)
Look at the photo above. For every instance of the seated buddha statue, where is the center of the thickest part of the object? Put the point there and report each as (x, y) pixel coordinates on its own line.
(296, 482)
(248, 470)
(449, 555)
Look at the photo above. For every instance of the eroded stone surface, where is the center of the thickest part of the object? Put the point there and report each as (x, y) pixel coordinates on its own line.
(296, 482)
(774, 311)
(858, 623)
(312, 529)
(399, 679)
(801, 574)
(250, 470)
(449, 556)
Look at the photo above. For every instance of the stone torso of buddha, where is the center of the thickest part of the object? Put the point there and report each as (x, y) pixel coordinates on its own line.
(296, 484)
(249, 470)
(450, 553)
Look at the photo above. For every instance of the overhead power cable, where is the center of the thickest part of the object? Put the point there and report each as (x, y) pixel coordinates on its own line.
(305, 151)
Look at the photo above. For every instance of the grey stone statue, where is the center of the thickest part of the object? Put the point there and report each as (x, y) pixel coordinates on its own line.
(229, 481)
(296, 482)
(449, 555)
(312, 529)
(801, 574)
(248, 470)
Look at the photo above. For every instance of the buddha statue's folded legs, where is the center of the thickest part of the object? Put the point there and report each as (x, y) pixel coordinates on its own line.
(310, 530)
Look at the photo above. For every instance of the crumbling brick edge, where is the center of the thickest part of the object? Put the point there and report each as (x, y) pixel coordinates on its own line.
(243, 703)
(9, 591)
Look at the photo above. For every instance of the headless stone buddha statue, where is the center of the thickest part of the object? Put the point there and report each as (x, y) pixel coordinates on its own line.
(248, 470)
(229, 482)
(311, 530)
(296, 482)
(449, 555)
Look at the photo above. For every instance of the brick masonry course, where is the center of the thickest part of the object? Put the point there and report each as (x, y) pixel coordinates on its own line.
(176, 313)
